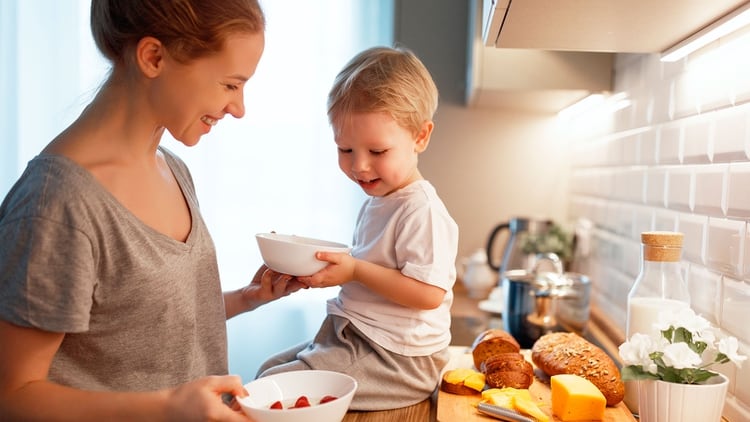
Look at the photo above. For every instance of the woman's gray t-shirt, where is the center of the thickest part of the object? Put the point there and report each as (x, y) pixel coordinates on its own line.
(140, 310)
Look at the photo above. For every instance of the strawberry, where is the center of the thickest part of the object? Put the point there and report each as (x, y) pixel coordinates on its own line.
(302, 401)
(277, 405)
(326, 399)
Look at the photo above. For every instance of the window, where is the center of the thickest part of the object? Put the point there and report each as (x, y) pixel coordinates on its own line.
(275, 169)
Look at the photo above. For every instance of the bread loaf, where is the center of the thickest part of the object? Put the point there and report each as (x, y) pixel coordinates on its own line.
(569, 353)
(492, 342)
(508, 369)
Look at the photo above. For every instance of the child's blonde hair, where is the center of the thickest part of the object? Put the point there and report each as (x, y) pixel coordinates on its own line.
(384, 79)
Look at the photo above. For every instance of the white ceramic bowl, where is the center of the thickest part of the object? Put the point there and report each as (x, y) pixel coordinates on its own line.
(295, 255)
(287, 387)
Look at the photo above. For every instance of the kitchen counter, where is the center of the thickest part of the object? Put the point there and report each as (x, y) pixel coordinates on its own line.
(468, 321)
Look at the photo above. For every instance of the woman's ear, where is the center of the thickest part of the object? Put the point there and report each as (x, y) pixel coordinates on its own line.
(149, 56)
(423, 136)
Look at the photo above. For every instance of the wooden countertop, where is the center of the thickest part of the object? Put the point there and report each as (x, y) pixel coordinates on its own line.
(468, 322)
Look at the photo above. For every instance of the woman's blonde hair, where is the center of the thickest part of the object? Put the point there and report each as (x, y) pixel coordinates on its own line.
(189, 29)
(385, 79)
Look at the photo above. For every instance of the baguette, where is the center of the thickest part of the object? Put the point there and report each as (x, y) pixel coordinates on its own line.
(569, 353)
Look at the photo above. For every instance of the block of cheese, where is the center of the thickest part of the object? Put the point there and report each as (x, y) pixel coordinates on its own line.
(575, 398)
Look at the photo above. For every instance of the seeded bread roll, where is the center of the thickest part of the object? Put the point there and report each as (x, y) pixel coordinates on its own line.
(492, 342)
(569, 353)
(510, 369)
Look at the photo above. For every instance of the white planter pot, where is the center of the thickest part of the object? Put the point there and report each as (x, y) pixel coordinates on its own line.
(660, 401)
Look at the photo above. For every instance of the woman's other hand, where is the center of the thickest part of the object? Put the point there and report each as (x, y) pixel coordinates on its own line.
(201, 400)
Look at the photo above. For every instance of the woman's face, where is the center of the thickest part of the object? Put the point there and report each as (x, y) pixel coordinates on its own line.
(189, 99)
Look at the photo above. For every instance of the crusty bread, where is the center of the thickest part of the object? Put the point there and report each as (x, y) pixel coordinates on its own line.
(569, 353)
(509, 369)
(492, 342)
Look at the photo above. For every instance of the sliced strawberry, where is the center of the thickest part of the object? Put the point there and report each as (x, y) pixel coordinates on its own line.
(277, 405)
(326, 399)
(302, 401)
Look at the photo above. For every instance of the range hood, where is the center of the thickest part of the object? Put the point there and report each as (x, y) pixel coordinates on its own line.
(542, 55)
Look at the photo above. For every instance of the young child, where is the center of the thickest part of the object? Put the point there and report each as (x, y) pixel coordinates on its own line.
(389, 327)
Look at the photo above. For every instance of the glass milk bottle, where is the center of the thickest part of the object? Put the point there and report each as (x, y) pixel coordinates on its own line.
(659, 286)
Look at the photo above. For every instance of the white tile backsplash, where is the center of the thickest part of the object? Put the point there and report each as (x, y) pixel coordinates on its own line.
(738, 190)
(677, 159)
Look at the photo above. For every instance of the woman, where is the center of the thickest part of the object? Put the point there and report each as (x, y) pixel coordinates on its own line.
(111, 305)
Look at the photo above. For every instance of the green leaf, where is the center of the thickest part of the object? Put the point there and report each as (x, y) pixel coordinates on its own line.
(636, 372)
(682, 335)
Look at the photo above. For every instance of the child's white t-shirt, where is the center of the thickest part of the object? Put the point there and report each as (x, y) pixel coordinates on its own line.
(411, 230)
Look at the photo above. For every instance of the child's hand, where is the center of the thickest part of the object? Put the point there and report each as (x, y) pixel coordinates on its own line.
(340, 269)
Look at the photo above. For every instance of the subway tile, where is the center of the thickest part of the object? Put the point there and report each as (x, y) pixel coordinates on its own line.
(656, 187)
(724, 245)
(680, 188)
(687, 97)
(731, 134)
(643, 221)
(705, 288)
(738, 184)
(665, 220)
(622, 219)
(628, 184)
(696, 134)
(735, 306)
(647, 144)
(693, 227)
(742, 387)
(630, 150)
(708, 192)
(669, 144)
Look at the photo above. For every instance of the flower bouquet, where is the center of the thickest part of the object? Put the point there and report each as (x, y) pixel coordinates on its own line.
(687, 347)
(673, 368)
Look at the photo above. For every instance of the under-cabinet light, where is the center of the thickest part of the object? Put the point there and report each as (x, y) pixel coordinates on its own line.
(729, 23)
(579, 107)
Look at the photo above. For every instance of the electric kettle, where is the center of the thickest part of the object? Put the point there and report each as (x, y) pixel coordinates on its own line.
(513, 255)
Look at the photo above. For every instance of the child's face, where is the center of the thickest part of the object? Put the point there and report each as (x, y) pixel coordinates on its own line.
(193, 97)
(378, 154)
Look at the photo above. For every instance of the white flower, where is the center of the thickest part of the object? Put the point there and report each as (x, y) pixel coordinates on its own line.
(679, 356)
(683, 317)
(682, 351)
(637, 351)
(729, 346)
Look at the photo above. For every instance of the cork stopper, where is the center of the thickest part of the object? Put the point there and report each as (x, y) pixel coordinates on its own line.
(662, 246)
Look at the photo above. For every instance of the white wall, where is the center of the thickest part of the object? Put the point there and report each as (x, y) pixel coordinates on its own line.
(491, 165)
(677, 159)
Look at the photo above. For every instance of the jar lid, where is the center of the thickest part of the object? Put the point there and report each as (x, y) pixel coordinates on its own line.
(662, 238)
(662, 246)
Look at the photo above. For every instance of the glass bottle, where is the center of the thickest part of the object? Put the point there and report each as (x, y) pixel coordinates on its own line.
(659, 286)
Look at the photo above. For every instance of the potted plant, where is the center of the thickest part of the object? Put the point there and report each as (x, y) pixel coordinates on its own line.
(674, 369)
(555, 240)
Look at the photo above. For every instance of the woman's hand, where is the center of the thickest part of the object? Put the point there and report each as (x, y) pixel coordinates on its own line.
(267, 285)
(201, 400)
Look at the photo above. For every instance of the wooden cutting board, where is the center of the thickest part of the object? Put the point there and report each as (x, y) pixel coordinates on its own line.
(454, 408)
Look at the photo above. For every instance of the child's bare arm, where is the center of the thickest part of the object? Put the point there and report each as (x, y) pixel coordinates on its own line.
(388, 282)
